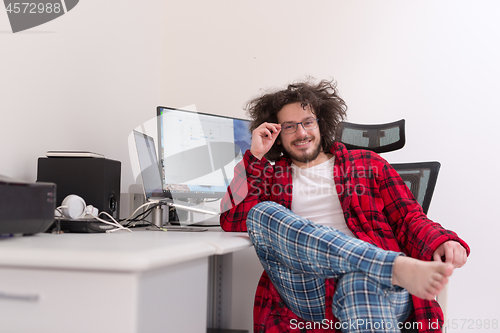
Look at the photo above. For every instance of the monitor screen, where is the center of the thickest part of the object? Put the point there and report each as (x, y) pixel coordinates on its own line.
(148, 162)
(198, 151)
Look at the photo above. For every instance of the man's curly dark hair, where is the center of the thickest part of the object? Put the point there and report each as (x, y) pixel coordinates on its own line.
(323, 99)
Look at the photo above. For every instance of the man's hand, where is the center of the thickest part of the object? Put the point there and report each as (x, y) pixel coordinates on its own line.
(453, 252)
(263, 138)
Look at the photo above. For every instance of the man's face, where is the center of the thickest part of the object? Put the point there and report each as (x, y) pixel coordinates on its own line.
(303, 146)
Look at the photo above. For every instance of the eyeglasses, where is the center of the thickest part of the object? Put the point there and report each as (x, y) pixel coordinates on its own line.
(308, 124)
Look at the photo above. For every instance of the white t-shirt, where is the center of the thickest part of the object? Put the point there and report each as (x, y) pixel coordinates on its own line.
(315, 197)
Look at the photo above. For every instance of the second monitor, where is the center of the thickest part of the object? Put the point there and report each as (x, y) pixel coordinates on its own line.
(198, 151)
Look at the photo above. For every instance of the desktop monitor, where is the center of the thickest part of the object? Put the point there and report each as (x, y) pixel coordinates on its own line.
(198, 151)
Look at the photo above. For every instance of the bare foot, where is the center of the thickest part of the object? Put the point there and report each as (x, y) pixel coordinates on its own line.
(424, 279)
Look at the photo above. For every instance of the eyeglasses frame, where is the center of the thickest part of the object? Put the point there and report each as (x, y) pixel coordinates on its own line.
(301, 123)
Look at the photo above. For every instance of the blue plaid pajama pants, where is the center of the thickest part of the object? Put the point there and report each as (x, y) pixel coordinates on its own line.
(298, 255)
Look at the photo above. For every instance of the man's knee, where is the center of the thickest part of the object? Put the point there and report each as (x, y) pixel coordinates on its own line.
(260, 213)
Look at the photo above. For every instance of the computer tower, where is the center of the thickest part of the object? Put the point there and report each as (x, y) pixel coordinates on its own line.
(96, 180)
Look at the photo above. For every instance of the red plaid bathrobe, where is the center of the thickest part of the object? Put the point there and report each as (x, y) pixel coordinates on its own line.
(378, 209)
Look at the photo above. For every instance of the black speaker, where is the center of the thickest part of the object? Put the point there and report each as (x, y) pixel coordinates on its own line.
(96, 180)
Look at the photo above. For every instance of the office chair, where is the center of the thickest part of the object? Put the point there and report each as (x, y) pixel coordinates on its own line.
(380, 138)
(421, 179)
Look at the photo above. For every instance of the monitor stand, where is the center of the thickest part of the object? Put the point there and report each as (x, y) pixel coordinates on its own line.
(159, 226)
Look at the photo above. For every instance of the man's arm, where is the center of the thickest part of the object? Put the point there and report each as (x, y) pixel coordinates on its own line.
(251, 181)
(247, 188)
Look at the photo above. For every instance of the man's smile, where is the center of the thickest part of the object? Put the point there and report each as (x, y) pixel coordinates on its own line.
(302, 143)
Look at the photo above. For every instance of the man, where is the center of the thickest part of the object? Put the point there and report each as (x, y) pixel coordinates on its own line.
(335, 230)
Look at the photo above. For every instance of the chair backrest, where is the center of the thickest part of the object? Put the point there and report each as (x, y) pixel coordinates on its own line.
(421, 179)
(380, 138)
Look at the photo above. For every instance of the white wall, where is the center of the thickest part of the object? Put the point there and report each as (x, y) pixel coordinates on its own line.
(434, 63)
(80, 82)
(85, 80)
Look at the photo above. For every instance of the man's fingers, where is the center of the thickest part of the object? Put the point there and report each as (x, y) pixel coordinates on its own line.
(461, 258)
(449, 254)
(453, 252)
(270, 130)
(266, 133)
(275, 130)
(263, 138)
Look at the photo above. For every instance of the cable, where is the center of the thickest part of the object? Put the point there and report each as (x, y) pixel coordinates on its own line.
(131, 217)
(58, 221)
(148, 211)
(122, 224)
(114, 223)
(141, 217)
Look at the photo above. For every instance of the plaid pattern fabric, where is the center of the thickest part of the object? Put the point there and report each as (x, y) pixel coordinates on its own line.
(363, 306)
(271, 315)
(378, 209)
(298, 255)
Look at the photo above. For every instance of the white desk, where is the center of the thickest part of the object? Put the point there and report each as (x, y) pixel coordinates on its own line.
(145, 281)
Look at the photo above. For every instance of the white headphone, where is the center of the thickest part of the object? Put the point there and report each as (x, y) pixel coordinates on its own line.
(75, 207)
